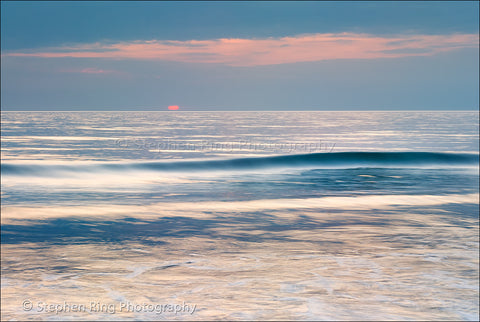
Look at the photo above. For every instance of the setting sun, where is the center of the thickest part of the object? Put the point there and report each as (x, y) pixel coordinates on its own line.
(173, 107)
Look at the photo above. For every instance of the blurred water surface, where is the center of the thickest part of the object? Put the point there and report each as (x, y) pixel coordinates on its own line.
(100, 210)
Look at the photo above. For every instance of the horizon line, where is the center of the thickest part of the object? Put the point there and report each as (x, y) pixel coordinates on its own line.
(180, 110)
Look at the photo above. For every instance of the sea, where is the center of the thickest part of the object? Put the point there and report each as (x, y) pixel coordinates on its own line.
(254, 215)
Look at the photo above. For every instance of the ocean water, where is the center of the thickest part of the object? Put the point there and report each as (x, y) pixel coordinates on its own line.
(240, 215)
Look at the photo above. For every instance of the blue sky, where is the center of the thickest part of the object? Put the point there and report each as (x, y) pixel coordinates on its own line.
(239, 55)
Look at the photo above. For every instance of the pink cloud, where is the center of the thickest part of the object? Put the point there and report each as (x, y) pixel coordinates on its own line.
(267, 51)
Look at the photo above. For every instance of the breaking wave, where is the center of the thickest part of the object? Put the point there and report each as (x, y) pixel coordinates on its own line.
(315, 160)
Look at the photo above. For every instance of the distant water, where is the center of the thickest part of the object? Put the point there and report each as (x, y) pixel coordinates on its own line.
(240, 215)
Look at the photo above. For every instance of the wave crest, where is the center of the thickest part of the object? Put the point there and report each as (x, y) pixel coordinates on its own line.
(315, 160)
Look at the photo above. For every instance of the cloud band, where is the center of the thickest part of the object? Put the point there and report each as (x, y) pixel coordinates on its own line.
(267, 51)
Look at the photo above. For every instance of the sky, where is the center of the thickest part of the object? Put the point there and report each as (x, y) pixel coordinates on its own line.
(234, 55)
